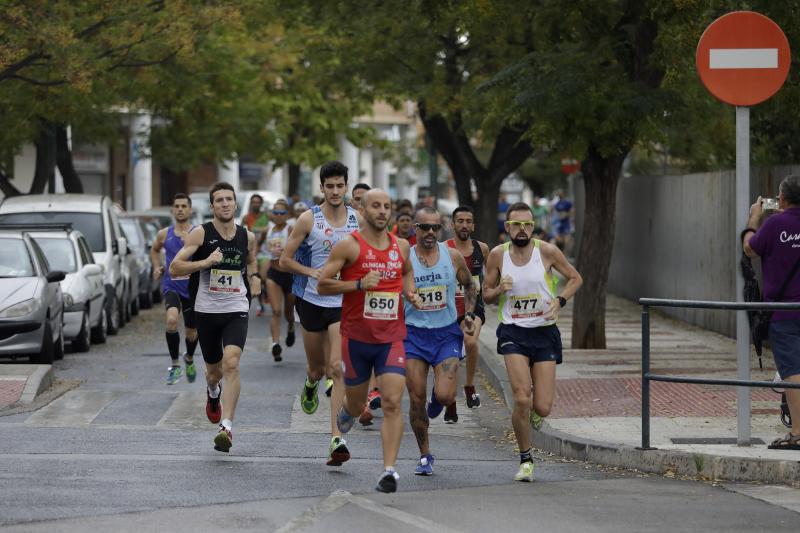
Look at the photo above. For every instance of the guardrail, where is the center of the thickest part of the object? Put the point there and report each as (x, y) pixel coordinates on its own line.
(647, 377)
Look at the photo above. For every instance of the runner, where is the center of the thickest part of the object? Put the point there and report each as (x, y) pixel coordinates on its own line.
(374, 270)
(358, 192)
(279, 282)
(176, 290)
(434, 338)
(403, 228)
(311, 240)
(474, 253)
(221, 258)
(519, 273)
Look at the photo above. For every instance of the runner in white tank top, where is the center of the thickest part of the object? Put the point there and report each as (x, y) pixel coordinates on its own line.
(519, 274)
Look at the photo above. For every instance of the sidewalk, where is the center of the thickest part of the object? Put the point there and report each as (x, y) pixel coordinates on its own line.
(597, 411)
(20, 383)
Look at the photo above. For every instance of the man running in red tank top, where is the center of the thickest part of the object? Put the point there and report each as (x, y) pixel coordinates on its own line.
(375, 275)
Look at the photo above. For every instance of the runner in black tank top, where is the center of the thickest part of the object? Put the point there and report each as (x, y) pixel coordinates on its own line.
(221, 258)
(475, 253)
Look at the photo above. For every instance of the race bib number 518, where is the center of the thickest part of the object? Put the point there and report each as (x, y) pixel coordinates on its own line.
(381, 305)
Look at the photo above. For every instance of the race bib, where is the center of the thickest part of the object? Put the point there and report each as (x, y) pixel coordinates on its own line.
(381, 305)
(526, 306)
(433, 298)
(476, 281)
(179, 278)
(225, 280)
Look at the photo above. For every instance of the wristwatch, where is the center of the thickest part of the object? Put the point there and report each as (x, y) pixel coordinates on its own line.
(255, 275)
(561, 301)
(471, 315)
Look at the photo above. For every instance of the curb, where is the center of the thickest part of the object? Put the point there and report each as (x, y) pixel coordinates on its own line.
(39, 381)
(663, 462)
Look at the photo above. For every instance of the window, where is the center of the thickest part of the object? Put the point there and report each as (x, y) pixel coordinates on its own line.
(40, 258)
(130, 232)
(90, 224)
(15, 262)
(86, 254)
(60, 253)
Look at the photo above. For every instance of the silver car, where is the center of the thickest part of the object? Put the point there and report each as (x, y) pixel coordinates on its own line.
(83, 289)
(137, 247)
(31, 303)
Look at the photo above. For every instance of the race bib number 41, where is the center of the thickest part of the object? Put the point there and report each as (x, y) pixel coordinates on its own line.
(381, 305)
(225, 280)
(433, 298)
(526, 306)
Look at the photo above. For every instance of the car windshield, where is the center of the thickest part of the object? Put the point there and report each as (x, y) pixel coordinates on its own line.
(15, 262)
(60, 253)
(90, 224)
(129, 227)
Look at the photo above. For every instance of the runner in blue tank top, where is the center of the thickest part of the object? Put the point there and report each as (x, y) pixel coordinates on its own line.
(434, 337)
(176, 290)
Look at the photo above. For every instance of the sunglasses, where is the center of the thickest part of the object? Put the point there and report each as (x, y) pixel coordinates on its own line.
(522, 224)
(280, 212)
(429, 227)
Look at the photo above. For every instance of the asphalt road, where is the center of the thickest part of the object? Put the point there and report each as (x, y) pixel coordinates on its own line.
(125, 452)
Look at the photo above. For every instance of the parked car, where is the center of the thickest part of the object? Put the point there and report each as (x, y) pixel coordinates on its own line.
(94, 216)
(137, 244)
(31, 303)
(84, 293)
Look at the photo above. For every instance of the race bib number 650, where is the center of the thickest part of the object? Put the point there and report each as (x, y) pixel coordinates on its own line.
(381, 305)
(225, 280)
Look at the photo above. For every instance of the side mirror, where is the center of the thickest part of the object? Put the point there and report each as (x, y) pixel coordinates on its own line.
(55, 275)
(122, 246)
(92, 270)
(114, 247)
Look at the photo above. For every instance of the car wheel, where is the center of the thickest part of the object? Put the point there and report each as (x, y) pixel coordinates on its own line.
(82, 342)
(112, 316)
(58, 347)
(100, 332)
(146, 300)
(45, 356)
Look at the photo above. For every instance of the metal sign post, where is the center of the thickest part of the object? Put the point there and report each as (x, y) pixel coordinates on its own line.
(742, 326)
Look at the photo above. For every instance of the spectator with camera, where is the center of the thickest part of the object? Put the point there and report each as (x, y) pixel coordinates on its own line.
(776, 241)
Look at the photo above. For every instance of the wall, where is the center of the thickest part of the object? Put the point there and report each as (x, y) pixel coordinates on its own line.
(675, 237)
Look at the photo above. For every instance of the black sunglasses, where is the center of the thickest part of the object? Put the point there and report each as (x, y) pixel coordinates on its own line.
(429, 227)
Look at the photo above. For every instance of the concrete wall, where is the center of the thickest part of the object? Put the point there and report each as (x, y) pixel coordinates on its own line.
(675, 237)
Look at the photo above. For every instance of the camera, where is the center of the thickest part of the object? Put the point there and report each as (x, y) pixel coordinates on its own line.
(769, 204)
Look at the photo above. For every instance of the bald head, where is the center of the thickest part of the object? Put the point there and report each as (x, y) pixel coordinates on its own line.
(374, 195)
(376, 206)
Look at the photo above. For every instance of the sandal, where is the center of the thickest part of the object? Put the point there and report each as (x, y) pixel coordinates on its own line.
(789, 442)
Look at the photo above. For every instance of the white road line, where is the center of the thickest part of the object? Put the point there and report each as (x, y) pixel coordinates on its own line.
(76, 408)
(742, 58)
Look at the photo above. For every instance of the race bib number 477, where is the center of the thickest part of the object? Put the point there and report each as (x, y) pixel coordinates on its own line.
(381, 305)
(526, 306)
(225, 280)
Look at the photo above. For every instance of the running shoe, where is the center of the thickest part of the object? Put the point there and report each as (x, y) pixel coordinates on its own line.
(344, 420)
(425, 465)
(374, 399)
(276, 351)
(290, 338)
(525, 472)
(434, 407)
(536, 420)
(388, 481)
(308, 398)
(191, 370)
(338, 452)
(224, 440)
(451, 414)
(365, 419)
(328, 387)
(214, 407)
(473, 399)
(173, 374)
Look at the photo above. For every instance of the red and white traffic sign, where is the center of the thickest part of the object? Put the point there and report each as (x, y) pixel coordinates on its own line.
(743, 58)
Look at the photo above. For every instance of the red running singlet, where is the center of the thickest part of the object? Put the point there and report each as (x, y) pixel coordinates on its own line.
(375, 316)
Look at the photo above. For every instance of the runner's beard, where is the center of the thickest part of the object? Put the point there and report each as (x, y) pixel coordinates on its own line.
(463, 235)
(521, 241)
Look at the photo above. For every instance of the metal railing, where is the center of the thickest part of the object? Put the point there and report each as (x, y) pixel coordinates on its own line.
(647, 377)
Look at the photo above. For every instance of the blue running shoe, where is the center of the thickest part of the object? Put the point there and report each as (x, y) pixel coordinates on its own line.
(344, 421)
(425, 465)
(174, 375)
(434, 407)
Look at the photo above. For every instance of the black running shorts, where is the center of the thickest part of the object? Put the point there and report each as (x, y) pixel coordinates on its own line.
(218, 330)
(314, 318)
(283, 279)
(539, 345)
(184, 306)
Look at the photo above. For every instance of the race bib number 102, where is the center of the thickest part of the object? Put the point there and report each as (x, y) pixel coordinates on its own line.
(381, 305)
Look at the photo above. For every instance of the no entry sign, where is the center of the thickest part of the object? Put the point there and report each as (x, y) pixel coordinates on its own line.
(743, 58)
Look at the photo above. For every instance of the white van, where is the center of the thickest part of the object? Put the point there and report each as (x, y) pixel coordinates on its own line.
(94, 216)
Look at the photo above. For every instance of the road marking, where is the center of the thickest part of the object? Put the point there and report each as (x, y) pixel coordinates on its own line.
(187, 411)
(340, 498)
(76, 408)
(742, 58)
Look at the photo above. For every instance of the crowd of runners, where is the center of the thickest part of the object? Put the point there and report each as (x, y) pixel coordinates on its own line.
(381, 302)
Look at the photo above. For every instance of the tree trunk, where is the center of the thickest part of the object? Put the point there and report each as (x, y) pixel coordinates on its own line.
(486, 214)
(72, 182)
(600, 177)
(8, 189)
(44, 172)
(294, 179)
